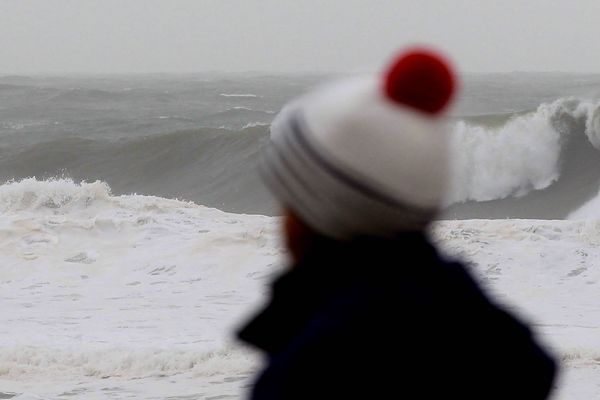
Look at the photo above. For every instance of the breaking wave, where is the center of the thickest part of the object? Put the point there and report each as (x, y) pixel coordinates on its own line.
(500, 161)
(214, 167)
(520, 155)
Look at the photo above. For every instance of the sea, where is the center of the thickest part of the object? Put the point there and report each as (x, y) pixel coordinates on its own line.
(136, 236)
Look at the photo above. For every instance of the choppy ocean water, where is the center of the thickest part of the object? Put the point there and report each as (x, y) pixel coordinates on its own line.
(108, 294)
(197, 137)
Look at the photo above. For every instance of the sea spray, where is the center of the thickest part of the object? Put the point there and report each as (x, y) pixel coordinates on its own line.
(521, 155)
(58, 195)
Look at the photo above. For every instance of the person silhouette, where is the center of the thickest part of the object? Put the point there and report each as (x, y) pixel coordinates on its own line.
(368, 308)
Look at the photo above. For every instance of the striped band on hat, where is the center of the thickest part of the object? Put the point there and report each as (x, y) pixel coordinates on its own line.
(332, 199)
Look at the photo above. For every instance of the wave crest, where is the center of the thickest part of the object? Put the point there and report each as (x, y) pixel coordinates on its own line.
(521, 155)
(55, 194)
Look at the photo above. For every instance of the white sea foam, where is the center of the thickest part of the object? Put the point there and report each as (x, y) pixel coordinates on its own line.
(21, 125)
(138, 296)
(519, 156)
(59, 195)
(29, 362)
(238, 95)
(254, 124)
(98, 287)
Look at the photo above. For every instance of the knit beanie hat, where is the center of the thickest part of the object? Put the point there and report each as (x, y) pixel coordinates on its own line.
(365, 156)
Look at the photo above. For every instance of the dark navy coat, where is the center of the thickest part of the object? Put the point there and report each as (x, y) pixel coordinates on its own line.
(376, 319)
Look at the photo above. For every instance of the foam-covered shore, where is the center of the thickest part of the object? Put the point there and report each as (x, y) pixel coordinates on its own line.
(138, 296)
(130, 295)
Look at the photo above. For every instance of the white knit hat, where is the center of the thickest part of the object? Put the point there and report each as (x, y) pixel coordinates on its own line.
(365, 156)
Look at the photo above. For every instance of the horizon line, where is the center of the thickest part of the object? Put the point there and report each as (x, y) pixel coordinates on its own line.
(8, 74)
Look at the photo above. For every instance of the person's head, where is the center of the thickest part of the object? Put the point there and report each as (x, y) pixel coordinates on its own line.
(298, 236)
(364, 156)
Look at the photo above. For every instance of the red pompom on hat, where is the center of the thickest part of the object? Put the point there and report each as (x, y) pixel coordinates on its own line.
(366, 156)
(420, 79)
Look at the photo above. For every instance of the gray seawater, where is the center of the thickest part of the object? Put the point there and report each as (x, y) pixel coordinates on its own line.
(198, 137)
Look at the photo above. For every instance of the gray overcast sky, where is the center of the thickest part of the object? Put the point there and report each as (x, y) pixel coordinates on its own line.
(105, 36)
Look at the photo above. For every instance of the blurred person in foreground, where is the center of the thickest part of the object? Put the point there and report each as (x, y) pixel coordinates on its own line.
(369, 309)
